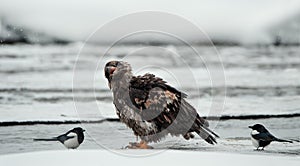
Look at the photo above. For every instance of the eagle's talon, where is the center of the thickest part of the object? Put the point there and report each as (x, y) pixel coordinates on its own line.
(141, 145)
(130, 147)
(133, 144)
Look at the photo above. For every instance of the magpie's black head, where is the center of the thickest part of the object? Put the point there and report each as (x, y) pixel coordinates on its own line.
(258, 127)
(78, 130)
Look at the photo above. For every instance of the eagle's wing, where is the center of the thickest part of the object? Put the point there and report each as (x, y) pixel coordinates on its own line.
(165, 106)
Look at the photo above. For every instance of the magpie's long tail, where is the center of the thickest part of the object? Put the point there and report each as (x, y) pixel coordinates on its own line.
(46, 139)
(283, 140)
(295, 140)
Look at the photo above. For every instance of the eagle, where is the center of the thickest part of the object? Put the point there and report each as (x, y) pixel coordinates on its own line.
(152, 108)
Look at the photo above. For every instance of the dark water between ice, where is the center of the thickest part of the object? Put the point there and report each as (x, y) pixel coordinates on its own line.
(37, 85)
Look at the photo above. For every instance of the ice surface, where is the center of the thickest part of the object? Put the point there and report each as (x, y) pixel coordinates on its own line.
(38, 80)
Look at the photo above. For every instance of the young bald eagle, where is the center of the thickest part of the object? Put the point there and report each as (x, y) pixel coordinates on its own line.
(152, 108)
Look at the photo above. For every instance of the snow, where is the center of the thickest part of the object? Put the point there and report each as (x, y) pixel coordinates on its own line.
(142, 157)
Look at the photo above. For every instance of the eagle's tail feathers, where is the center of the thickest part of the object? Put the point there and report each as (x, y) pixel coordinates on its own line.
(206, 135)
(209, 130)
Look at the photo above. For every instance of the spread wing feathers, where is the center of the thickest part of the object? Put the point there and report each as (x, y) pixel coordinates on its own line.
(166, 107)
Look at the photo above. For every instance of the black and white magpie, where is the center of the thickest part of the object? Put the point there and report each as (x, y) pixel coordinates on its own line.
(71, 139)
(261, 137)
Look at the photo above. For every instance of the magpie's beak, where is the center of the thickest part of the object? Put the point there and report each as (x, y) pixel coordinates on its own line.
(250, 127)
(83, 130)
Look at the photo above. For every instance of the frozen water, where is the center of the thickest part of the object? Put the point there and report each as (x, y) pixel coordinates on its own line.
(37, 85)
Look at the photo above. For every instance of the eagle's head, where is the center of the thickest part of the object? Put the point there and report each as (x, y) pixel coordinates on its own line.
(116, 70)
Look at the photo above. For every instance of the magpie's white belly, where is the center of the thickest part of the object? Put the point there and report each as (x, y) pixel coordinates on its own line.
(254, 142)
(71, 143)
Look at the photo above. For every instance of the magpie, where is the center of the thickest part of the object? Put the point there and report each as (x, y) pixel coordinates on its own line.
(71, 139)
(261, 137)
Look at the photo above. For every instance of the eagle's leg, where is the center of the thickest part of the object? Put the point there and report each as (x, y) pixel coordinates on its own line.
(141, 145)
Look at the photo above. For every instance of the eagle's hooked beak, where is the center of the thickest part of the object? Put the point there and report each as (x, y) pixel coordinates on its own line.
(109, 70)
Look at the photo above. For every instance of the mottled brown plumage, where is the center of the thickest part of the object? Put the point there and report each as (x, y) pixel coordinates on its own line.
(151, 107)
